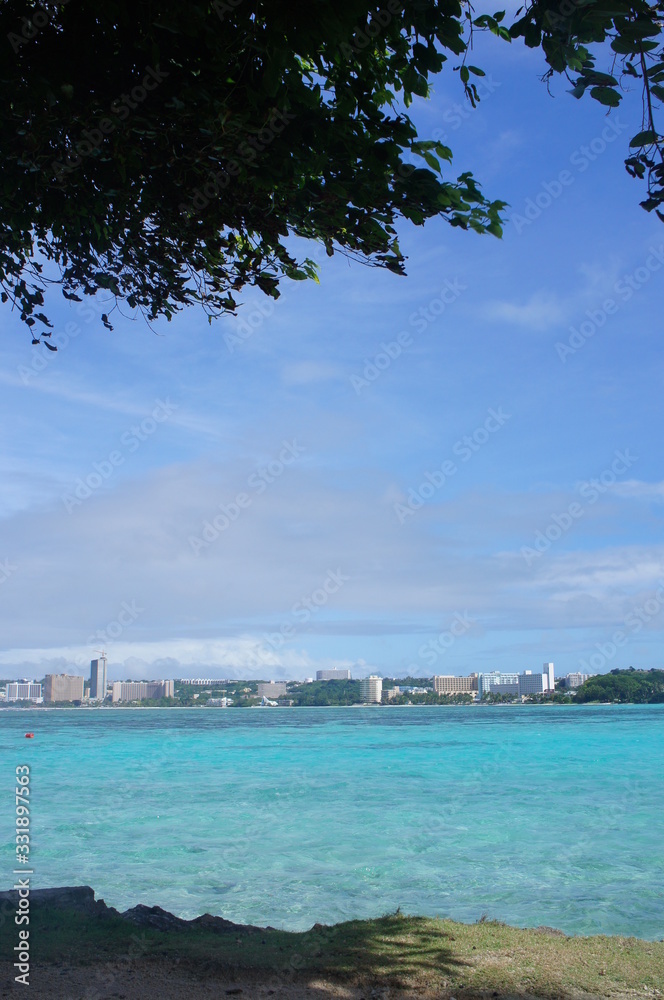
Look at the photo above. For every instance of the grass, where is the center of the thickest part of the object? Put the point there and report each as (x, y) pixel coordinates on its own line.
(407, 952)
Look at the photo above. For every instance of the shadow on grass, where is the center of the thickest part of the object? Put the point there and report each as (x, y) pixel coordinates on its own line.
(393, 949)
(435, 957)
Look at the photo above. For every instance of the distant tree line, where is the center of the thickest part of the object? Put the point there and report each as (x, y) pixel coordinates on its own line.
(431, 698)
(325, 693)
(637, 686)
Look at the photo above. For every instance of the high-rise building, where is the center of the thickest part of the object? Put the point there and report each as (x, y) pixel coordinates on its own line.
(272, 689)
(486, 682)
(517, 684)
(573, 680)
(24, 691)
(63, 687)
(505, 687)
(138, 690)
(333, 675)
(371, 689)
(449, 684)
(98, 679)
(530, 683)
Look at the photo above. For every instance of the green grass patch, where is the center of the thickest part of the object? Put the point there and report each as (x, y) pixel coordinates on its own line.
(408, 952)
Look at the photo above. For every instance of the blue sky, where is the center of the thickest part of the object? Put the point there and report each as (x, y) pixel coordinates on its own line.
(401, 469)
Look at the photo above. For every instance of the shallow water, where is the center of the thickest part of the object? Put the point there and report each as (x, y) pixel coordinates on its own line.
(532, 815)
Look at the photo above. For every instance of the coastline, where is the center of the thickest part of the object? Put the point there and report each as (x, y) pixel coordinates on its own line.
(146, 951)
(297, 708)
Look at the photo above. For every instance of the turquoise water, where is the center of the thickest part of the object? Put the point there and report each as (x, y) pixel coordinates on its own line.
(290, 816)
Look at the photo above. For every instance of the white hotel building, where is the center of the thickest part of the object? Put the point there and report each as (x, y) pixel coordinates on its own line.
(517, 684)
(371, 690)
(24, 691)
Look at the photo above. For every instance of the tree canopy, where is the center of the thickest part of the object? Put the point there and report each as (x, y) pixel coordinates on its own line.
(640, 686)
(166, 153)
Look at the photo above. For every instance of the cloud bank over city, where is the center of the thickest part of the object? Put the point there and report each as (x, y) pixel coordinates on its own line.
(336, 478)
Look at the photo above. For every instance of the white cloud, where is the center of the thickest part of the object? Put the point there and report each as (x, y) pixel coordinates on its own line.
(620, 573)
(640, 490)
(245, 656)
(542, 311)
(211, 612)
(304, 372)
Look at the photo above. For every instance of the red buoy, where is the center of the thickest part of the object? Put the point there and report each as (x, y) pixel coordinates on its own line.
(29, 736)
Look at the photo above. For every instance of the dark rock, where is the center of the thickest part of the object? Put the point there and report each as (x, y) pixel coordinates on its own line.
(80, 898)
(154, 916)
(162, 920)
(218, 924)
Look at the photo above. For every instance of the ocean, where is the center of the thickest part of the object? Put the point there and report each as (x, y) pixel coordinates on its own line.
(530, 815)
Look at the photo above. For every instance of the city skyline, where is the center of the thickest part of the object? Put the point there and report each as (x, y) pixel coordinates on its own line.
(112, 675)
(441, 683)
(478, 687)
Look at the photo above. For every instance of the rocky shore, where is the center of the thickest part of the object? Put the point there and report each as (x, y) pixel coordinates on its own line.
(81, 899)
(82, 949)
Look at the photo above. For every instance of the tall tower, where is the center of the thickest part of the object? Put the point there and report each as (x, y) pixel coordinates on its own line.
(98, 678)
(547, 670)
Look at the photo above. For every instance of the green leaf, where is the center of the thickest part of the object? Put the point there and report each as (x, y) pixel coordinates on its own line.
(645, 138)
(623, 46)
(444, 152)
(606, 96)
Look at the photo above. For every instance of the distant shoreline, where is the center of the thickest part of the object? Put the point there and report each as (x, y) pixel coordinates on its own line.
(298, 708)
